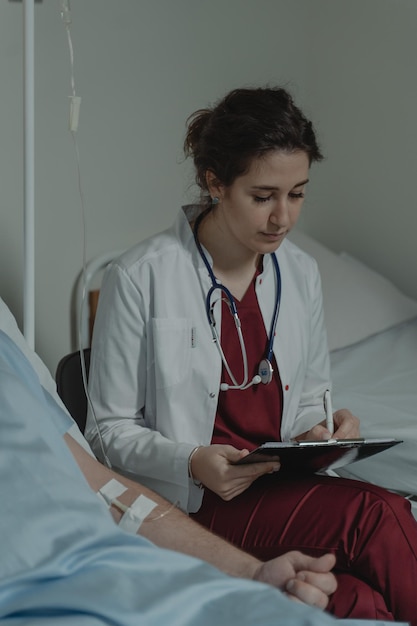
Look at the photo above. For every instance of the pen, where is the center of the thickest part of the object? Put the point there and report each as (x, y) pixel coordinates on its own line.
(327, 401)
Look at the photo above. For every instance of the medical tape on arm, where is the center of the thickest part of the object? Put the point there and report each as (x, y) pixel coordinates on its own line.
(134, 514)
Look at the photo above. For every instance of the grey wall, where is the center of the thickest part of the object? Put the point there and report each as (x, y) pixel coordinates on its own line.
(362, 88)
(141, 67)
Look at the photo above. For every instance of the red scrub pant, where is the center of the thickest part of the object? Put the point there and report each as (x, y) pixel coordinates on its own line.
(370, 530)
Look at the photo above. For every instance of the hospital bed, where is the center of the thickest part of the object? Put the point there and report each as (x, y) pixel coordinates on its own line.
(372, 333)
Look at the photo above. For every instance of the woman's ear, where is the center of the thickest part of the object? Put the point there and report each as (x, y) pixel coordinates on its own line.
(215, 189)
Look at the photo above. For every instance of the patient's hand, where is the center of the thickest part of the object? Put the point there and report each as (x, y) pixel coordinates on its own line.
(303, 578)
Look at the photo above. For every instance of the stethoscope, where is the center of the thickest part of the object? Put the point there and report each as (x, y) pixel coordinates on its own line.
(265, 369)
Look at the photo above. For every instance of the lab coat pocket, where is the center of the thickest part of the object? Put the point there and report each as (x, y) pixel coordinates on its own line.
(172, 341)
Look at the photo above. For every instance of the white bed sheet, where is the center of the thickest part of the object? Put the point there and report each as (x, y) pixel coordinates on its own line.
(377, 380)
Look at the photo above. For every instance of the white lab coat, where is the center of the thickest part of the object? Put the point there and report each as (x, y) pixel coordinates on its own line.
(155, 371)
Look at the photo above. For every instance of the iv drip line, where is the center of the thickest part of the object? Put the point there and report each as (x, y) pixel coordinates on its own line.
(75, 102)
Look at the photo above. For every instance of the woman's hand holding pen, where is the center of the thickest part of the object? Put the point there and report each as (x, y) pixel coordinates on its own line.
(214, 467)
(346, 426)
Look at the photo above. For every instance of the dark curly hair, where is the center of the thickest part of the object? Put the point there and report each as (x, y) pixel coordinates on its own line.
(246, 124)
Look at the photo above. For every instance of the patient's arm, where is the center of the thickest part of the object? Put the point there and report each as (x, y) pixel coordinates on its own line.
(302, 577)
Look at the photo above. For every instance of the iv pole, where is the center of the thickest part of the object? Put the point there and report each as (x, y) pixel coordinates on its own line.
(29, 178)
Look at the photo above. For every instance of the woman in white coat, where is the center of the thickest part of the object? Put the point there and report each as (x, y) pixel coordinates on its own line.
(210, 340)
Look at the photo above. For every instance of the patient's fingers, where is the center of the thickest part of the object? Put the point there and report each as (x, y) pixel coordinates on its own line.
(304, 592)
(325, 582)
(314, 582)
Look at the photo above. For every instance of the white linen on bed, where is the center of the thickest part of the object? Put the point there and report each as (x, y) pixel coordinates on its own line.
(9, 325)
(358, 302)
(372, 333)
(377, 380)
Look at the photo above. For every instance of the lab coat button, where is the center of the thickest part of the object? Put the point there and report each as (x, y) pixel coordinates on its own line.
(212, 395)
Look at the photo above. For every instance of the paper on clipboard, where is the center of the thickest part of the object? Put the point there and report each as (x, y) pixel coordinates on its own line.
(309, 457)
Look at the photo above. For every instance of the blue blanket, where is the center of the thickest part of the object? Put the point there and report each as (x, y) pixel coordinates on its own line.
(64, 561)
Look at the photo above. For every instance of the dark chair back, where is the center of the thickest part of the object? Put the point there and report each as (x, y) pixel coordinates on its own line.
(70, 386)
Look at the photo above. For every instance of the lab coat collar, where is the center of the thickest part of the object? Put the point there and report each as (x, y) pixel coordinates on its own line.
(185, 234)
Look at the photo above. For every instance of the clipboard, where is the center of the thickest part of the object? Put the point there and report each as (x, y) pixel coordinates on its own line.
(310, 457)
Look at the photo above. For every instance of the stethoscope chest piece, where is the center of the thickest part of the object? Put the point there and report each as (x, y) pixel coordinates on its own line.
(265, 371)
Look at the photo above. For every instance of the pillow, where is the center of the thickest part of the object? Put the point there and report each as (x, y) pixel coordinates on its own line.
(358, 302)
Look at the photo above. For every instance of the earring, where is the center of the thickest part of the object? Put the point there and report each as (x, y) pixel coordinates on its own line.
(215, 200)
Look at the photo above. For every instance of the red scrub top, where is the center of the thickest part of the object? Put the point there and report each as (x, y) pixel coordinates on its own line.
(247, 418)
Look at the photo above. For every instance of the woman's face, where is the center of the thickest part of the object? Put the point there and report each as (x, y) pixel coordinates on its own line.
(260, 207)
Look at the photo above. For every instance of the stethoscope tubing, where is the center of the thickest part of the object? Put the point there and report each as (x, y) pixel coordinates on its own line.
(216, 285)
(276, 307)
